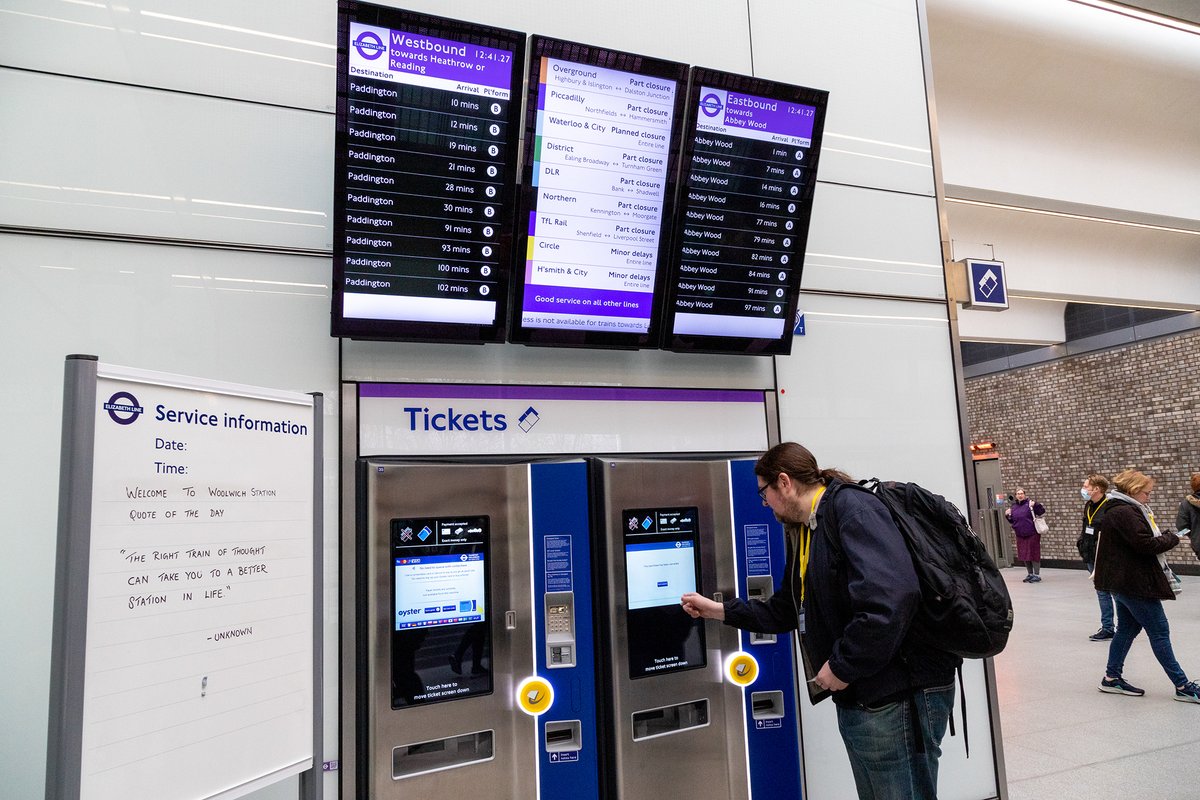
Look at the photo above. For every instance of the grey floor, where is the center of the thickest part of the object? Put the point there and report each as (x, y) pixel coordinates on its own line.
(1063, 739)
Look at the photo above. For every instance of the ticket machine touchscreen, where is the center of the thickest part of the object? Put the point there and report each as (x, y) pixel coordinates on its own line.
(661, 564)
(441, 639)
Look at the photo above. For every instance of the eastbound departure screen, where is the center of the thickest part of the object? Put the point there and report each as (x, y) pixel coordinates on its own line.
(600, 163)
(428, 123)
(662, 563)
(750, 159)
(441, 639)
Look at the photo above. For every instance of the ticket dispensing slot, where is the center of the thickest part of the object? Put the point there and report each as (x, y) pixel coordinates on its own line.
(563, 736)
(766, 705)
(759, 587)
(560, 630)
(438, 754)
(670, 719)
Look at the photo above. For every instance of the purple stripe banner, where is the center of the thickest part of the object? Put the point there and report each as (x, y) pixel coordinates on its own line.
(581, 393)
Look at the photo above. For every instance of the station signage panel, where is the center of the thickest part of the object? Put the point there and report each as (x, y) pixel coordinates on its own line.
(749, 170)
(442, 419)
(987, 288)
(601, 152)
(428, 122)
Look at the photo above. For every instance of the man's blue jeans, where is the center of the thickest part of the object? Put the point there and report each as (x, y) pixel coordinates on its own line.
(882, 745)
(1134, 614)
(1106, 603)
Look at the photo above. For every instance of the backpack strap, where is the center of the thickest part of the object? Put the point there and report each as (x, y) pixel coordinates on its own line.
(829, 514)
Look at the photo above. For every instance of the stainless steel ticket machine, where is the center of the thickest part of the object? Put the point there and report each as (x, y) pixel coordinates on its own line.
(674, 720)
(478, 667)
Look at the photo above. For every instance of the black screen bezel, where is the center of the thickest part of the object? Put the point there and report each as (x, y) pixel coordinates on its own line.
(693, 343)
(591, 55)
(398, 638)
(654, 623)
(467, 33)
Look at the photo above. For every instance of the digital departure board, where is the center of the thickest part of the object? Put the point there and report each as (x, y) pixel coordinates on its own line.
(601, 154)
(749, 170)
(428, 123)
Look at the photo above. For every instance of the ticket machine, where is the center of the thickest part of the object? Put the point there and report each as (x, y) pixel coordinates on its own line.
(690, 706)
(477, 670)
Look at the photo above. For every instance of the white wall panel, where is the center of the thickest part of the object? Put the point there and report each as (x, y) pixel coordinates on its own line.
(873, 242)
(270, 51)
(1081, 260)
(867, 54)
(127, 160)
(710, 33)
(1067, 102)
(512, 363)
(870, 389)
(1025, 321)
(239, 317)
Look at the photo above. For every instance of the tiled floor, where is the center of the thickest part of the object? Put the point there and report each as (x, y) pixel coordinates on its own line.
(1063, 739)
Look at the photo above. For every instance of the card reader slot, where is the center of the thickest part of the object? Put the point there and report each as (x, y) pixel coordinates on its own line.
(760, 587)
(418, 758)
(669, 719)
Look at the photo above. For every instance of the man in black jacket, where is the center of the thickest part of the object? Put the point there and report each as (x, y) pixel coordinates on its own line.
(1095, 503)
(853, 610)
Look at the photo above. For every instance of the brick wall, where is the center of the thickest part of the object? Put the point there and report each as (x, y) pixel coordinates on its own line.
(1137, 407)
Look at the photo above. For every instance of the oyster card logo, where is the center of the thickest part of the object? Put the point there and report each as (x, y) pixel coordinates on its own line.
(369, 45)
(123, 408)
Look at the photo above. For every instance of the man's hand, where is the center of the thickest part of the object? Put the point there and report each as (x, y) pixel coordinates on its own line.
(697, 606)
(827, 680)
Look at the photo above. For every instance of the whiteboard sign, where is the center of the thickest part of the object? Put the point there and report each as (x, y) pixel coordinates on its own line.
(198, 655)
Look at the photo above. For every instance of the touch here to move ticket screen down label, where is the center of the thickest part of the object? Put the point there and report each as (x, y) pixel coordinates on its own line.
(427, 169)
(600, 187)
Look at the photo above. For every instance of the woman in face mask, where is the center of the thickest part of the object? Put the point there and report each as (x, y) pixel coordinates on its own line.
(1029, 542)
(1130, 564)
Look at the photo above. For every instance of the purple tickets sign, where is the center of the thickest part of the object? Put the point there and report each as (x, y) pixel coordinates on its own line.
(763, 114)
(450, 60)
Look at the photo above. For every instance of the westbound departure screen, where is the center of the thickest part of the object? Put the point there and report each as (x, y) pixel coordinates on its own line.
(750, 159)
(661, 564)
(428, 123)
(600, 161)
(441, 639)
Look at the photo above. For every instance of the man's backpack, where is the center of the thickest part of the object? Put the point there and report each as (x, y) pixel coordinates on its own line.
(965, 608)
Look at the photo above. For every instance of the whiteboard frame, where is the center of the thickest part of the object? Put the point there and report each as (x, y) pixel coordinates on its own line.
(72, 571)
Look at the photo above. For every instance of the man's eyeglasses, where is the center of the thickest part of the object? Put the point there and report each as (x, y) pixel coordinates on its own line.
(762, 490)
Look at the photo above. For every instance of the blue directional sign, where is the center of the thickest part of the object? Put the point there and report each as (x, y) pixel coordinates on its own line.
(986, 287)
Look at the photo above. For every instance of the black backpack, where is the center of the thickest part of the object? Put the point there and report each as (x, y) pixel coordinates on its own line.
(965, 608)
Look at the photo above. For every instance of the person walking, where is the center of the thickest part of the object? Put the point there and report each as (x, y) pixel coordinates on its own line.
(1021, 516)
(853, 610)
(1188, 516)
(1094, 488)
(1130, 564)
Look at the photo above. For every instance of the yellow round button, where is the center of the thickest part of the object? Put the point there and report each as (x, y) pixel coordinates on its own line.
(742, 669)
(535, 695)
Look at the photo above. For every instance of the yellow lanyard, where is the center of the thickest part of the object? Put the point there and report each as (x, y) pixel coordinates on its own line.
(1095, 511)
(804, 546)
